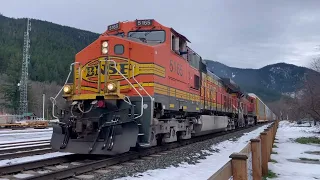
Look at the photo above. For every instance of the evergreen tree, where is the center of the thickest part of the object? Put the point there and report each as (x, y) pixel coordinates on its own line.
(53, 48)
(10, 90)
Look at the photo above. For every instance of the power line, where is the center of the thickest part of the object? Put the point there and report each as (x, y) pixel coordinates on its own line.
(23, 85)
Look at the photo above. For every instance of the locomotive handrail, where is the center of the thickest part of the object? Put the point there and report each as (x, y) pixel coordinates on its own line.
(152, 99)
(53, 99)
(115, 67)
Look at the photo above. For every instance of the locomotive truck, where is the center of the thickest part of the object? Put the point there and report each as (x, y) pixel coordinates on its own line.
(140, 85)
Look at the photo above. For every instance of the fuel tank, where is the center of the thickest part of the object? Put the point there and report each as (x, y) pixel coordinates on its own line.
(210, 124)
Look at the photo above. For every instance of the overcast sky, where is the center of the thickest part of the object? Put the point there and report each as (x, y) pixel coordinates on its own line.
(245, 34)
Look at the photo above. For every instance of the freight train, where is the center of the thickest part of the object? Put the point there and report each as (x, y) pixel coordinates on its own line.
(140, 85)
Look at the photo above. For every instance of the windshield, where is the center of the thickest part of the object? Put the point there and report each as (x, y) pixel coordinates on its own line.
(158, 36)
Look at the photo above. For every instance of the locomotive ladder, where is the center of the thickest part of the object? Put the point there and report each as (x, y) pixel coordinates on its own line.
(136, 116)
(124, 77)
(53, 99)
(151, 101)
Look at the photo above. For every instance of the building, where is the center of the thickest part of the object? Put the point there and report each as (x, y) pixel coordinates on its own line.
(29, 116)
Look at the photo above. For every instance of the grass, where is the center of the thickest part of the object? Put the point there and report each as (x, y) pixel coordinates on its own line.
(273, 152)
(307, 140)
(274, 146)
(270, 175)
(274, 161)
(307, 159)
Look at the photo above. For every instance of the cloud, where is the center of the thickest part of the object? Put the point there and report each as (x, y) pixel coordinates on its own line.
(247, 33)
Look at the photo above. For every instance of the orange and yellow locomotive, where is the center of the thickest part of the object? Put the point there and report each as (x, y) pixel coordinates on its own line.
(139, 84)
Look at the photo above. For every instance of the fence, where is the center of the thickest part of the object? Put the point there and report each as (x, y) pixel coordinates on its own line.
(252, 161)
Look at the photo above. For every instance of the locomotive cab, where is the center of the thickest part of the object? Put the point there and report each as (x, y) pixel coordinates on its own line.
(109, 95)
(117, 93)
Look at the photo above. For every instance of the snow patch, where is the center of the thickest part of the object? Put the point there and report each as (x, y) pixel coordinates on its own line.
(288, 149)
(206, 167)
(25, 135)
(27, 130)
(31, 158)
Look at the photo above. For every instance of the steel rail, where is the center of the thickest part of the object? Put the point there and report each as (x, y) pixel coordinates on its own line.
(38, 164)
(25, 153)
(24, 142)
(88, 167)
(28, 148)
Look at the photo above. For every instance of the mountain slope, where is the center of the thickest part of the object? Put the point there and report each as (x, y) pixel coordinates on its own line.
(52, 47)
(269, 82)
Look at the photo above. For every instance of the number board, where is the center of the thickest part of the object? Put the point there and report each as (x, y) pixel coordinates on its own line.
(144, 22)
(114, 27)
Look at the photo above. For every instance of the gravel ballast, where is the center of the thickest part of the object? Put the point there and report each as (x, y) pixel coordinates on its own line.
(187, 154)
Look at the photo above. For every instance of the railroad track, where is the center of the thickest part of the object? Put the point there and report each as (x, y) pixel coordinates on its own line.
(23, 130)
(25, 143)
(73, 164)
(31, 152)
(24, 148)
(22, 142)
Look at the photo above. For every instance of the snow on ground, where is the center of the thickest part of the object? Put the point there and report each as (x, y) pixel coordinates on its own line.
(10, 136)
(206, 167)
(288, 149)
(22, 143)
(27, 130)
(28, 138)
(25, 146)
(31, 158)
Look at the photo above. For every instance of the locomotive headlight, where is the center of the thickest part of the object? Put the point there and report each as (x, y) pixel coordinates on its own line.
(104, 50)
(105, 44)
(111, 87)
(67, 89)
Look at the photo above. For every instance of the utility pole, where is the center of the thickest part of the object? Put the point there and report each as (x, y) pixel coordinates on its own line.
(43, 100)
(23, 85)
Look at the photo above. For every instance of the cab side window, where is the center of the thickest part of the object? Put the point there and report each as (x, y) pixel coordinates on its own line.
(194, 60)
(175, 43)
(196, 82)
(183, 48)
(179, 46)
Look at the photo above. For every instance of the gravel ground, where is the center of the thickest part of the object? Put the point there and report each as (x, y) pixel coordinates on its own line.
(190, 154)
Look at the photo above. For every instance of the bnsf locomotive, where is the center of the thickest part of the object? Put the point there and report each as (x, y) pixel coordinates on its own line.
(140, 85)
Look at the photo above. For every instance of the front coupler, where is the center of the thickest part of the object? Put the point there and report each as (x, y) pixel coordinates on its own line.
(116, 134)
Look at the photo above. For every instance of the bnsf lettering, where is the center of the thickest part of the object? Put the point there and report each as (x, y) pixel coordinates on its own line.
(93, 70)
(90, 71)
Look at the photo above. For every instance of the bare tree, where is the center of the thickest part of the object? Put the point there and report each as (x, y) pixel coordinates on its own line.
(306, 101)
(307, 104)
(37, 90)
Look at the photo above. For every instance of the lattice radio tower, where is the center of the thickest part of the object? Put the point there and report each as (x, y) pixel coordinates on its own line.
(23, 85)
